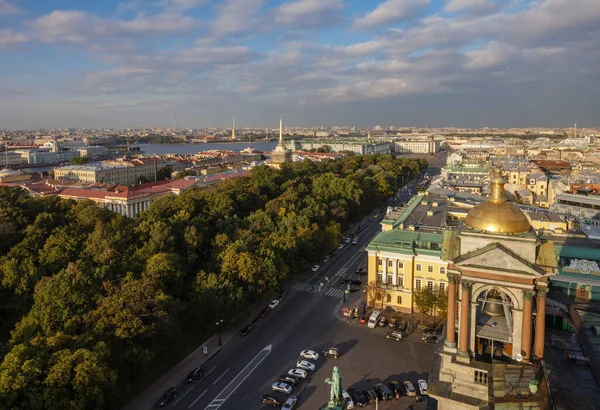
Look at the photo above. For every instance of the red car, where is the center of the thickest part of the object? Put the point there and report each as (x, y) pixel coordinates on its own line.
(364, 318)
(265, 312)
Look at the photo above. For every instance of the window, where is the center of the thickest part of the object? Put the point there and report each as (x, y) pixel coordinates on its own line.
(388, 298)
(418, 267)
(401, 281)
(442, 270)
(390, 279)
(430, 285)
(378, 296)
(399, 300)
(379, 261)
(379, 277)
(442, 286)
(400, 265)
(430, 268)
(390, 263)
(417, 284)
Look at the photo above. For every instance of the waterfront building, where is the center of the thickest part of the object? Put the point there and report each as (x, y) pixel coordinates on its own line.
(359, 146)
(122, 172)
(417, 146)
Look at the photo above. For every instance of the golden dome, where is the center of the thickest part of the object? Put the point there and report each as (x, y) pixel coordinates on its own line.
(497, 215)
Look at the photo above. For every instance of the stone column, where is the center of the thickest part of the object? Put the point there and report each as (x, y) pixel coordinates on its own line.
(395, 277)
(465, 301)
(526, 329)
(540, 323)
(451, 317)
(384, 276)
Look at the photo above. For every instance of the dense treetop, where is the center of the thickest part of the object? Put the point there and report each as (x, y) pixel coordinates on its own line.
(88, 297)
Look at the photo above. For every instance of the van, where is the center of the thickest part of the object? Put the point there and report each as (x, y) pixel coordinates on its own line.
(374, 319)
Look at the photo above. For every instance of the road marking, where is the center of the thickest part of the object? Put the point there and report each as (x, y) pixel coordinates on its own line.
(239, 379)
(207, 373)
(215, 382)
(197, 399)
(183, 395)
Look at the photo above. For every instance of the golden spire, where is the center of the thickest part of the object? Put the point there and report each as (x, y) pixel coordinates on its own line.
(281, 131)
(498, 185)
(233, 130)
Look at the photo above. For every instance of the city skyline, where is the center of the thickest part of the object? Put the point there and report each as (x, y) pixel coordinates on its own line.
(454, 63)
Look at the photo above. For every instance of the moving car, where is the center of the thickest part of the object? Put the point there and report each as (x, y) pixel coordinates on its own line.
(246, 330)
(332, 352)
(167, 396)
(410, 389)
(273, 304)
(384, 392)
(315, 268)
(349, 402)
(359, 397)
(292, 381)
(394, 335)
(309, 354)
(281, 387)
(298, 373)
(374, 319)
(305, 365)
(197, 373)
(422, 387)
(270, 400)
(360, 271)
(290, 403)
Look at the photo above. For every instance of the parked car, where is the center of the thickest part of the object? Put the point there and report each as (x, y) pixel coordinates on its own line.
(359, 397)
(431, 338)
(167, 396)
(305, 365)
(282, 296)
(290, 403)
(292, 381)
(349, 402)
(341, 246)
(422, 386)
(347, 240)
(246, 330)
(197, 373)
(375, 216)
(273, 304)
(298, 373)
(383, 322)
(354, 241)
(395, 387)
(315, 268)
(371, 395)
(401, 326)
(281, 387)
(265, 312)
(309, 354)
(394, 335)
(270, 400)
(383, 391)
(364, 318)
(356, 282)
(360, 271)
(326, 259)
(374, 319)
(332, 352)
(410, 389)
(430, 330)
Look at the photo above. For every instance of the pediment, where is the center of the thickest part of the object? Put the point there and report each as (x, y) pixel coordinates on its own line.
(496, 257)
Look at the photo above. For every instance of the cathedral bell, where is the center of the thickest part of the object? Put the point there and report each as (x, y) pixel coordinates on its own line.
(494, 305)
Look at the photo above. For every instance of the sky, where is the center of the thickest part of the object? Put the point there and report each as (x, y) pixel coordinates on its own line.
(455, 63)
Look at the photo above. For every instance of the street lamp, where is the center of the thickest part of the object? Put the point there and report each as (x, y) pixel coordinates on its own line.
(219, 323)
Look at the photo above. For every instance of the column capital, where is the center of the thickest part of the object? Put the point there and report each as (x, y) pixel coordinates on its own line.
(466, 285)
(528, 294)
(452, 278)
(541, 292)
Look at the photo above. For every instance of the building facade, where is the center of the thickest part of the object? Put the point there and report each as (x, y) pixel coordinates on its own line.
(428, 146)
(125, 172)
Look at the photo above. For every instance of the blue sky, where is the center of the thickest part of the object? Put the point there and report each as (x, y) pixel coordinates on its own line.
(467, 63)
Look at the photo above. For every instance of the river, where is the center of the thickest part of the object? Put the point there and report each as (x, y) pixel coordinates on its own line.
(163, 149)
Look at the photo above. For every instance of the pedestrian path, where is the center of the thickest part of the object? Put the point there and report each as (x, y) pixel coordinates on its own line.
(309, 287)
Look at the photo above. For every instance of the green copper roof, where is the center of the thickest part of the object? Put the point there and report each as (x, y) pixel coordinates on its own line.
(577, 252)
(407, 242)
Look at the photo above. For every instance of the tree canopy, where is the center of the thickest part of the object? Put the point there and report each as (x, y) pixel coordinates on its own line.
(89, 298)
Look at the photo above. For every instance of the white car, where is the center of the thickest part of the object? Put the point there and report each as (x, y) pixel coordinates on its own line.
(341, 246)
(315, 268)
(309, 354)
(326, 259)
(422, 387)
(347, 240)
(298, 373)
(354, 241)
(410, 389)
(274, 304)
(282, 387)
(348, 400)
(305, 365)
(290, 403)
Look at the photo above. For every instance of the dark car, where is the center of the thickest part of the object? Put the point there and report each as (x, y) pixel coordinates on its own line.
(359, 397)
(383, 391)
(270, 400)
(395, 387)
(401, 326)
(394, 335)
(196, 374)
(360, 271)
(430, 330)
(286, 378)
(356, 282)
(371, 395)
(246, 330)
(167, 397)
(431, 338)
(265, 312)
(383, 322)
(332, 352)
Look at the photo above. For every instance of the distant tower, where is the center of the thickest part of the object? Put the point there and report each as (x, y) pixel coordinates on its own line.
(233, 130)
(280, 154)
(174, 122)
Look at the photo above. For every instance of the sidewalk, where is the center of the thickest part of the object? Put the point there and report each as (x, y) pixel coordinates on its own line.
(175, 376)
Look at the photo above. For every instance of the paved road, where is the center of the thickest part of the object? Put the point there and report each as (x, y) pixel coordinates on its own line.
(306, 319)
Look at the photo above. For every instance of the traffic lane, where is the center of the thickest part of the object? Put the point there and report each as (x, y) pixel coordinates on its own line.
(371, 359)
(308, 333)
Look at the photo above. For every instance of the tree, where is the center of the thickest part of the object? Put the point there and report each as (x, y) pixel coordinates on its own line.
(441, 303)
(78, 161)
(375, 294)
(424, 299)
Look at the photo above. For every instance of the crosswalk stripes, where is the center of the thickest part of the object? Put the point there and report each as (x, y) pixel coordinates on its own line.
(308, 287)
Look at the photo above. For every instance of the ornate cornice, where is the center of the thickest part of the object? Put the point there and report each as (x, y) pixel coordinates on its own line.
(528, 294)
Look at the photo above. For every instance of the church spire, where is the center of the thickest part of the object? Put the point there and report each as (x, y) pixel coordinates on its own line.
(280, 131)
(233, 130)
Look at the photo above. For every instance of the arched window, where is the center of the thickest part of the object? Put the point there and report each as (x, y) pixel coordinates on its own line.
(399, 300)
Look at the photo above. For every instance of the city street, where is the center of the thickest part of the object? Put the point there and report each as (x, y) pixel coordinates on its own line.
(308, 318)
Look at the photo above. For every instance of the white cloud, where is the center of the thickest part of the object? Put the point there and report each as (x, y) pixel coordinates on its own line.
(8, 7)
(388, 12)
(10, 38)
(469, 5)
(492, 55)
(308, 13)
(235, 16)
